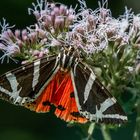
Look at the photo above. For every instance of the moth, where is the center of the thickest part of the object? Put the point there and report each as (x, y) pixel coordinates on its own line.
(66, 82)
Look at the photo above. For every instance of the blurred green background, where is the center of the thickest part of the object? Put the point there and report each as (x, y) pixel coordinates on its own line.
(17, 123)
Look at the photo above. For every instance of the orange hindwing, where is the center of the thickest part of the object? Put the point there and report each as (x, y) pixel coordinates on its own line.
(60, 93)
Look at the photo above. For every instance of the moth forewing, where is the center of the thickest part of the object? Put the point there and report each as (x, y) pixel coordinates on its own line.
(22, 85)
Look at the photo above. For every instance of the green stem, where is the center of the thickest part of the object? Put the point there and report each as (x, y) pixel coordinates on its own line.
(136, 135)
(105, 133)
(90, 131)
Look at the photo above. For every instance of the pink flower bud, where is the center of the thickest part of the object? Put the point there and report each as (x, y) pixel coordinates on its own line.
(37, 14)
(41, 54)
(69, 20)
(24, 32)
(56, 11)
(20, 43)
(63, 10)
(17, 33)
(62, 23)
(24, 62)
(43, 13)
(52, 16)
(33, 37)
(48, 22)
(70, 11)
(5, 35)
(11, 35)
(13, 49)
(57, 22)
(24, 38)
(46, 51)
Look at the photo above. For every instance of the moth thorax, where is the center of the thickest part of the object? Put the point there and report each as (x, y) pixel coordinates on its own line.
(67, 60)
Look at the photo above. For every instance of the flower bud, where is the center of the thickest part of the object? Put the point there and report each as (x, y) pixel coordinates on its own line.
(19, 43)
(10, 33)
(57, 23)
(56, 11)
(25, 38)
(17, 33)
(5, 35)
(52, 16)
(24, 32)
(13, 49)
(69, 20)
(32, 37)
(63, 10)
(41, 54)
(37, 15)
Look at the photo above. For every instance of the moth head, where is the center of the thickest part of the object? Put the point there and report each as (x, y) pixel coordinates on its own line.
(67, 58)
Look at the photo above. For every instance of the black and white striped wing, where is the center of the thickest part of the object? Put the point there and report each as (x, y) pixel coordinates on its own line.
(93, 100)
(24, 84)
